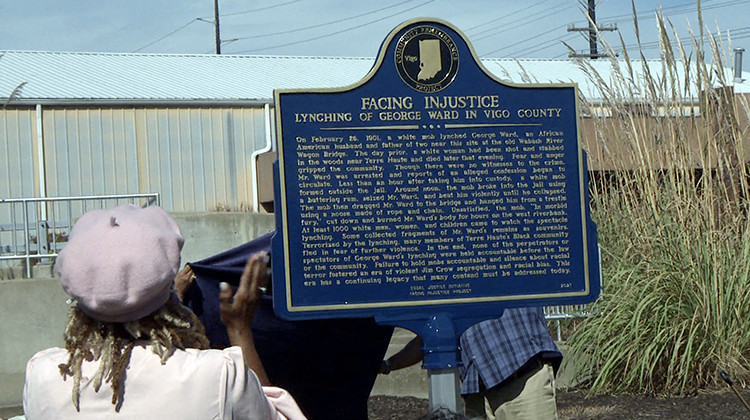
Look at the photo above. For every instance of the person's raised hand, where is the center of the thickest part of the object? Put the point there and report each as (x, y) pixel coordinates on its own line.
(183, 280)
(238, 308)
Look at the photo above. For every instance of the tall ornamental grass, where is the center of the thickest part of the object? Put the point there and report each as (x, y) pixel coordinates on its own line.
(672, 216)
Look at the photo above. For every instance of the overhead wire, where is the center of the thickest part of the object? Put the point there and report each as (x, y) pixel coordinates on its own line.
(522, 22)
(505, 16)
(167, 35)
(531, 50)
(541, 46)
(736, 33)
(244, 12)
(333, 33)
(323, 24)
(675, 10)
(641, 16)
(733, 34)
(517, 26)
(657, 44)
(688, 6)
(210, 18)
(529, 39)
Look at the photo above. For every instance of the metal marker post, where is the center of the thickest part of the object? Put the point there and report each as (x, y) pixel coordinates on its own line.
(430, 190)
(444, 390)
(440, 359)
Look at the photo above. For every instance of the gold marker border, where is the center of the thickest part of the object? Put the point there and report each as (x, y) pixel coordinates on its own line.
(375, 68)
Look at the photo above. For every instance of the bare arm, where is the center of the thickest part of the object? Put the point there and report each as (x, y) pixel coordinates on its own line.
(410, 355)
(238, 311)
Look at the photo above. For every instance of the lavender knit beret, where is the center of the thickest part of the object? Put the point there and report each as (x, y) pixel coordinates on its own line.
(119, 263)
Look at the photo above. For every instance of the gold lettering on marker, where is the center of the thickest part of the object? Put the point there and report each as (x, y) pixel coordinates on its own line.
(322, 117)
(460, 102)
(539, 112)
(387, 103)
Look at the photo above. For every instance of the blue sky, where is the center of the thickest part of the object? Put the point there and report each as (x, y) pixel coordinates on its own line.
(497, 28)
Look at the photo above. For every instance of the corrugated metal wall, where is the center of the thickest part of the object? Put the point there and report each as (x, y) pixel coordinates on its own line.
(89, 152)
(18, 144)
(197, 158)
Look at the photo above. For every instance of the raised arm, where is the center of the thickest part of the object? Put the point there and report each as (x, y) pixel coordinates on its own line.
(238, 310)
(410, 355)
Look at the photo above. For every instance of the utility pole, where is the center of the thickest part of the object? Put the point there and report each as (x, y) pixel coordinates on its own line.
(592, 29)
(216, 27)
(215, 22)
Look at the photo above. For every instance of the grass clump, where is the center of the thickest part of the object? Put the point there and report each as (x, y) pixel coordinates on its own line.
(672, 216)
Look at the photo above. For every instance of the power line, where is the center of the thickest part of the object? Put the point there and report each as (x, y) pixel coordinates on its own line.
(643, 14)
(604, 18)
(567, 37)
(504, 17)
(676, 9)
(742, 33)
(522, 22)
(323, 24)
(525, 40)
(689, 38)
(260, 9)
(545, 46)
(208, 19)
(561, 7)
(509, 28)
(737, 33)
(165, 36)
(639, 13)
(542, 46)
(334, 33)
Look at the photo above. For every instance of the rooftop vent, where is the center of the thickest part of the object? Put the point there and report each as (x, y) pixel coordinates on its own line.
(738, 65)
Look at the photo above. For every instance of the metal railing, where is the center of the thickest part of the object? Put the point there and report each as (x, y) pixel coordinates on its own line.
(36, 229)
(561, 312)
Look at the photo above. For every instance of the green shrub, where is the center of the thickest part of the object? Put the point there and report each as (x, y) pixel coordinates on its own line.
(673, 227)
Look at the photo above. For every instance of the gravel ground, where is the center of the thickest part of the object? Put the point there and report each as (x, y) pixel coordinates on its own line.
(575, 405)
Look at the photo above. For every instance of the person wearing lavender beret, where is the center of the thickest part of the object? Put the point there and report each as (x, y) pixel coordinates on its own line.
(131, 349)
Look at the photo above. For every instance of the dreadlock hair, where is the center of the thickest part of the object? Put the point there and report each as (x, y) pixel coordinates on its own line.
(170, 327)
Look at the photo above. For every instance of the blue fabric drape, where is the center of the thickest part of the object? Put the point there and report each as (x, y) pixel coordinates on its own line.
(329, 366)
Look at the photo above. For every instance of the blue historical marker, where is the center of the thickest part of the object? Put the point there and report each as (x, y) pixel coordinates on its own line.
(430, 187)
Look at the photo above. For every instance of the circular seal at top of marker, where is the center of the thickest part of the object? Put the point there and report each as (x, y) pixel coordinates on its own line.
(426, 58)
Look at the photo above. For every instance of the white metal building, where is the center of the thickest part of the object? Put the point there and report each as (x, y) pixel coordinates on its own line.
(186, 126)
